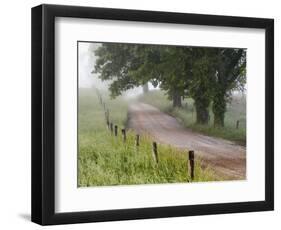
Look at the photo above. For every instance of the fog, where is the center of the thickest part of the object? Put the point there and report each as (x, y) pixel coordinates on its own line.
(86, 64)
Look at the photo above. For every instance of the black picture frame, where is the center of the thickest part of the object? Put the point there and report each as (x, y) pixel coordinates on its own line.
(43, 114)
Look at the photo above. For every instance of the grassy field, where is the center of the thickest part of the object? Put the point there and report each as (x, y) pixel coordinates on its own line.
(236, 110)
(104, 159)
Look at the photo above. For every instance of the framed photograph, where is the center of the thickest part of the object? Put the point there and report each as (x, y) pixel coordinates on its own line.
(142, 114)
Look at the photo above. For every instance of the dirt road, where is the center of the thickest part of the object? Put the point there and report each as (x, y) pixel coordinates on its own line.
(226, 158)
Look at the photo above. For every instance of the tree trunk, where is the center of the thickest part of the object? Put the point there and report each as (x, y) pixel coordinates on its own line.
(219, 120)
(219, 109)
(145, 88)
(202, 113)
(177, 100)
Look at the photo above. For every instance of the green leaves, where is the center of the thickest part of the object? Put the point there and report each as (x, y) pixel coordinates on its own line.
(205, 74)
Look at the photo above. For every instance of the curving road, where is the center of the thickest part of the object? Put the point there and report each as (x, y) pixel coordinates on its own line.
(226, 158)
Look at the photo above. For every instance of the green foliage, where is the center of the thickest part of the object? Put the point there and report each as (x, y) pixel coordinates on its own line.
(115, 61)
(201, 84)
(205, 74)
(105, 160)
(230, 75)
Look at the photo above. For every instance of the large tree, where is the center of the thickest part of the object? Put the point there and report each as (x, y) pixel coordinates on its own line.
(230, 75)
(128, 66)
(205, 74)
(114, 63)
(163, 66)
(200, 87)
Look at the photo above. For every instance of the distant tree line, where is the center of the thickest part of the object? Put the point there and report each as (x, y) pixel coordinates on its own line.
(208, 75)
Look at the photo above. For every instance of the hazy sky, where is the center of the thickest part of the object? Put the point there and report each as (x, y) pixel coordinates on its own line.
(86, 64)
(86, 60)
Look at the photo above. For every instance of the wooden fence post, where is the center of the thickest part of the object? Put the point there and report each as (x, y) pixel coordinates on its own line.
(100, 99)
(137, 140)
(107, 114)
(154, 149)
(191, 162)
(111, 127)
(115, 130)
(124, 134)
(237, 124)
(192, 111)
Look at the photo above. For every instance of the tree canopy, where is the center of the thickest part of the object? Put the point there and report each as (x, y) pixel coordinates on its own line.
(208, 75)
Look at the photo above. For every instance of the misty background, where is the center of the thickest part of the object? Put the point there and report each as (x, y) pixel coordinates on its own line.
(86, 64)
(87, 79)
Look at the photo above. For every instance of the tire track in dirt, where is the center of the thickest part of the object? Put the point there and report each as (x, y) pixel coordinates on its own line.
(226, 158)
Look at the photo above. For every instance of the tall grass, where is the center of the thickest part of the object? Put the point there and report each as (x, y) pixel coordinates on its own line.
(236, 110)
(104, 159)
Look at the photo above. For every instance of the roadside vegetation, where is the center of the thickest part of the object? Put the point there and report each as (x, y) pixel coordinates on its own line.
(236, 111)
(104, 159)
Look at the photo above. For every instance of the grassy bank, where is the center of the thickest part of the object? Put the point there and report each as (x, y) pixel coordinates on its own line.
(105, 160)
(236, 110)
